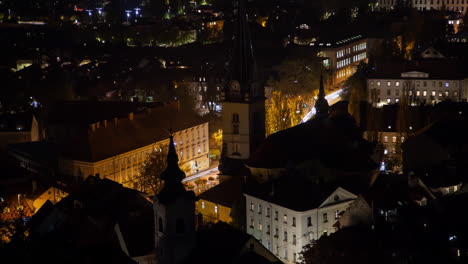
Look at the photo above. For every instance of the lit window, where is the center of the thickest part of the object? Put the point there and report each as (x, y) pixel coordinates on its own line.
(418, 93)
(378, 83)
(285, 218)
(446, 84)
(389, 83)
(394, 139)
(337, 214)
(203, 205)
(372, 83)
(424, 93)
(402, 139)
(397, 100)
(252, 206)
(385, 139)
(216, 209)
(260, 227)
(389, 100)
(397, 83)
(447, 93)
(433, 93)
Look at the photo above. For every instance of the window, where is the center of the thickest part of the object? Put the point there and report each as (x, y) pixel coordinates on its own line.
(385, 139)
(294, 221)
(276, 232)
(397, 83)
(394, 139)
(378, 83)
(294, 239)
(417, 93)
(294, 257)
(252, 206)
(440, 84)
(260, 227)
(402, 139)
(286, 253)
(325, 217)
(235, 128)
(433, 93)
(424, 93)
(285, 218)
(389, 92)
(268, 229)
(424, 83)
(446, 93)
(397, 92)
(446, 84)
(252, 222)
(180, 226)
(337, 214)
(309, 221)
(259, 209)
(268, 212)
(216, 209)
(203, 205)
(389, 83)
(285, 236)
(372, 83)
(276, 215)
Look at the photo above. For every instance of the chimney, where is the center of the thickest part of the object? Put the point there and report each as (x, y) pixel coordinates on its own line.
(105, 123)
(92, 127)
(115, 121)
(130, 116)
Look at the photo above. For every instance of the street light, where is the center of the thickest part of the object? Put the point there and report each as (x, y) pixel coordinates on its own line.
(99, 9)
(89, 12)
(137, 11)
(128, 14)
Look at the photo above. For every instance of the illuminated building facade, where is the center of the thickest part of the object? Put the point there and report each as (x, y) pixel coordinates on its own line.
(450, 5)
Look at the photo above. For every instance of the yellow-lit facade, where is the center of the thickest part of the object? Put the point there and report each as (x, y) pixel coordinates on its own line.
(213, 212)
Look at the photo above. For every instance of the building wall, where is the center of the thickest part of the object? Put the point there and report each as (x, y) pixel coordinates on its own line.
(213, 212)
(284, 231)
(390, 91)
(236, 141)
(343, 60)
(192, 146)
(450, 5)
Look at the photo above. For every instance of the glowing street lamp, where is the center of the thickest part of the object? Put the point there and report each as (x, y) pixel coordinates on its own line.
(99, 9)
(137, 11)
(128, 14)
(90, 12)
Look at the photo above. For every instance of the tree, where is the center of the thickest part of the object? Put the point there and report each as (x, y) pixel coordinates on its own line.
(149, 179)
(284, 111)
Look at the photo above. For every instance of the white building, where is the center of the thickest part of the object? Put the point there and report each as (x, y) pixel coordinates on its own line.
(450, 5)
(421, 86)
(285, 231)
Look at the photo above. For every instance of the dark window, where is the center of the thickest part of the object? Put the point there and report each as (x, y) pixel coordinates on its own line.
(180, 227)
(309, 221)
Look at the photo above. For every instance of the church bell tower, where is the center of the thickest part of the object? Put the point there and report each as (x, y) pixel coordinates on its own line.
(243, 100)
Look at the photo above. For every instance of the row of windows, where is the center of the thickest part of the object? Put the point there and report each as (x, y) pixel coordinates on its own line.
(359, 57)
(216, 210)
(394, 139)
(342, 63)
(343, 73)
(360, 47)
(425, 2)
(418, 83)
(434, 93)
(343, 52)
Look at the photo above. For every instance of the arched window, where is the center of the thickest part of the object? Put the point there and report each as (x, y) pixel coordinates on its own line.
(180, 226)
(160, 225)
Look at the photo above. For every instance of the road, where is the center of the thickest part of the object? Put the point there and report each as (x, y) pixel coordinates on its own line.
(331, 98)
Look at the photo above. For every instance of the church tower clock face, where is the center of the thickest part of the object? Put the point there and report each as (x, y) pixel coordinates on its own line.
(234, 87)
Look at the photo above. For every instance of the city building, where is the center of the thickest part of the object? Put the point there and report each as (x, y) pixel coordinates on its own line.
(422, 5)
(18, 128)
(423, 82)
(116, 147)
(303, 178)
(342, 55)
(285, 225)
(178, 241)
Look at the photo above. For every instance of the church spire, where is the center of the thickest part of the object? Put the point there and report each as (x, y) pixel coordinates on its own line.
(172, 176)
(243, 67)
(321, 105)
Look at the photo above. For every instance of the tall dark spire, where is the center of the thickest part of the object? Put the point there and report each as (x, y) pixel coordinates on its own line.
(243, 65)
(321, 105)
(172, 176)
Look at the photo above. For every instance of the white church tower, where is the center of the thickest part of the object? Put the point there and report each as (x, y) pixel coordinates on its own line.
(174, 214)
(243, 100)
